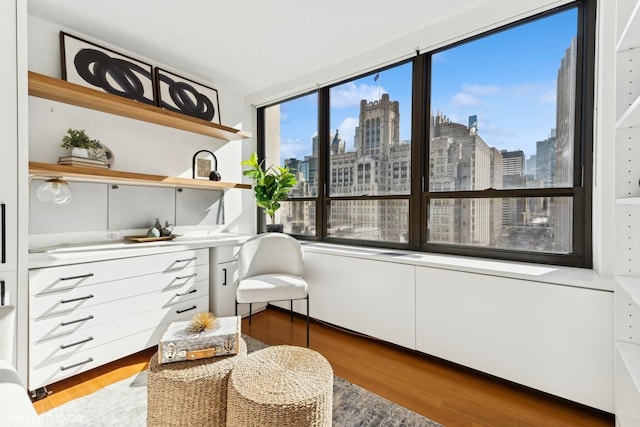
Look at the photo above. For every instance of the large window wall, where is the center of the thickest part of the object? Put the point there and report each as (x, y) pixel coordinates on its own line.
(481, 148)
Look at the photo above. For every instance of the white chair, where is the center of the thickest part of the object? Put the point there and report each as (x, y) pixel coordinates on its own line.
(271, 268)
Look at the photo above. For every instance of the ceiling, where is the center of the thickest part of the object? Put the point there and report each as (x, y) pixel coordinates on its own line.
(249, 45)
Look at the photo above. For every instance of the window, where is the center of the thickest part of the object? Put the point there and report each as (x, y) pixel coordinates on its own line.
(506, 130)
(481, 148)
(290, 134)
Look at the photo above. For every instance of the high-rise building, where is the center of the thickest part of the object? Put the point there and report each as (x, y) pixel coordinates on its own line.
(561, 208)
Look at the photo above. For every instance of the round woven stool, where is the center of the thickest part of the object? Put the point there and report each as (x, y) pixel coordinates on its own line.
(281, 386)
(190, 393)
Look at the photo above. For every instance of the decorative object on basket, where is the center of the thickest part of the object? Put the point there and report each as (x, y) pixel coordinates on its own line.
(201, 166)
(79, 143)
(201, 322)
(178, 343)
(271, 186)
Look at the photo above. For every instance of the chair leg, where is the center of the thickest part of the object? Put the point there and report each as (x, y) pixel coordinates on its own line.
(307, 320)
(250, 312)
(291, 309)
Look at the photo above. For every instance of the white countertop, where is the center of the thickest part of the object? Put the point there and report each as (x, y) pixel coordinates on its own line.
(567, 276)
(88, 252)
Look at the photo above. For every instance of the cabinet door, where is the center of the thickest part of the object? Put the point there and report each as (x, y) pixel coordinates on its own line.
(9, 137)
(223, 295)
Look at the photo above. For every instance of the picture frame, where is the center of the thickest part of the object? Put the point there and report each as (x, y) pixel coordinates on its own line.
(182, 95)
(88, 64)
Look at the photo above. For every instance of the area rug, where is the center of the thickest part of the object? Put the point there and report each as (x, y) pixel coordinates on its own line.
(125, 403)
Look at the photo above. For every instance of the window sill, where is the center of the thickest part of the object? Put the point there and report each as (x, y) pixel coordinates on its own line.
(559, 275)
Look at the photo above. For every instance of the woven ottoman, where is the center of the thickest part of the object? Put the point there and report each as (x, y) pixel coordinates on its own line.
(190, 393)
(281, 386)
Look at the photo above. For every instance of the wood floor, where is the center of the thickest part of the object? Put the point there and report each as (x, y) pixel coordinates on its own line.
(441, 391)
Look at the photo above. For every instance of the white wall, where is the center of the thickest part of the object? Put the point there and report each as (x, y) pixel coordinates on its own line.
(137, 146)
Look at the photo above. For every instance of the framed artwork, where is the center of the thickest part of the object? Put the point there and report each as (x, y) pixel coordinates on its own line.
(202, 168)
(90, 65)
(185, 96)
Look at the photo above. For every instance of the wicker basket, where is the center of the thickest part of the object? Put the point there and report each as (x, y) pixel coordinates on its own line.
(281, 386)
(191, 393)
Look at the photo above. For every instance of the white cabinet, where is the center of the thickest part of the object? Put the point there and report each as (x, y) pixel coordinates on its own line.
(538, 334)
(85, 315)
(8, 160)
(627, 146)
(371, 297)
(224, 281)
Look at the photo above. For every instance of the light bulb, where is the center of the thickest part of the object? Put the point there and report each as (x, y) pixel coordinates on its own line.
(55, 191)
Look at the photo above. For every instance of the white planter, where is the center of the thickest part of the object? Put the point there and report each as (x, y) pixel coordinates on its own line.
(80, 152)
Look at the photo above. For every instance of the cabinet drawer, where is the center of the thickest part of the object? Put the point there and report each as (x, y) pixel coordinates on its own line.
(52, 279)
(62, 324)
(84, 360)
(226, 253)
(69, 300)
(60, 350)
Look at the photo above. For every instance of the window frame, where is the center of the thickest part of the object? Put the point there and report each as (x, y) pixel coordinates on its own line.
(420, 196)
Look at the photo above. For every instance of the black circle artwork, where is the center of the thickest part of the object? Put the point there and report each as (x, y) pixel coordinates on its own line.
(113, 75)
(187, 99)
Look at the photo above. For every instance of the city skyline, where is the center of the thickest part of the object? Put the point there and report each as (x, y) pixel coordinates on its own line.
(515, 106)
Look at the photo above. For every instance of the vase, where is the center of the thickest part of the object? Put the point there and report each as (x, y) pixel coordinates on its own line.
(275, 228)
(80, 152)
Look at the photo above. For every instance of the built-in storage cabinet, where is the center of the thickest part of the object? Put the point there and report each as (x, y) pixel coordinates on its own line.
(627, 146)
(9, 141)
(538, 334)
(222, 295)
(85, 315)
(371, 297)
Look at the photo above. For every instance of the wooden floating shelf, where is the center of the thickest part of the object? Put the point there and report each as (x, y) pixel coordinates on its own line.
(80, 173)
(54, 89)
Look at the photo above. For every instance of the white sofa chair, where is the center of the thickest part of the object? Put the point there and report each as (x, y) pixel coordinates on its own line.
(271, 268)
(16, 408)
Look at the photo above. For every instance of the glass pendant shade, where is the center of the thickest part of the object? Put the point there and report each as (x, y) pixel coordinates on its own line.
(55, 191)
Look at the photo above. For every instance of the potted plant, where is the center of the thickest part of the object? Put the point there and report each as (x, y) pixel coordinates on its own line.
(271, 186)
(79, 143)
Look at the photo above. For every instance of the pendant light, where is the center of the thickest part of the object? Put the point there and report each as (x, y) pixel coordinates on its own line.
(55, 191)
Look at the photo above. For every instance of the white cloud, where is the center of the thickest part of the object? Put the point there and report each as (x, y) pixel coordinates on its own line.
(480, 90)
(462, 100)
(347, 130)
(350, 94)
(548, 97)
(294, 148)
(284, 116)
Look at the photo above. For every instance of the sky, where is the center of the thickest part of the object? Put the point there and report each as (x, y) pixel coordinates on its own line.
(508, 79)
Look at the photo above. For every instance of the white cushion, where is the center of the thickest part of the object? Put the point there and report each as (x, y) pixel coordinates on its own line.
(271, 287)
(15, 406)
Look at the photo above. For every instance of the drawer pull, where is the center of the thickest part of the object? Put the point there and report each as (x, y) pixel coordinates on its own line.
(64, 368)
(81, 276)
(186, 277)
(63, 346)
(224, 282)
(64, 301)
(187, 259)
(192, 291)
(76, 321)
(187, 309)
(4, 233)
